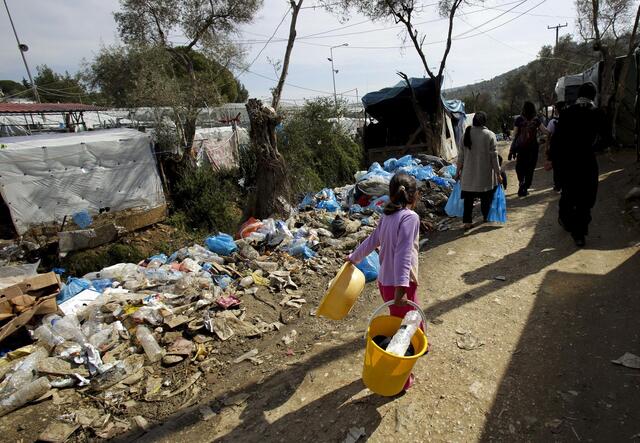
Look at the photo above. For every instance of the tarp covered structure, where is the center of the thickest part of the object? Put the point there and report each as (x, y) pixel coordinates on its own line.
(44, 178)
(396, 120)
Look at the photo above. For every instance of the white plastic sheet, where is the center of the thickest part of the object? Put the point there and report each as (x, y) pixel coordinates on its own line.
(45, 177)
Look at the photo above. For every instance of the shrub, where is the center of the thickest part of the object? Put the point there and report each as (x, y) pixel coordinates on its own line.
(207, 200)
(318, 152)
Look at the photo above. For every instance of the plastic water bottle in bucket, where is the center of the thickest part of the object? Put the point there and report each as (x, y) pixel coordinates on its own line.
(383, 372)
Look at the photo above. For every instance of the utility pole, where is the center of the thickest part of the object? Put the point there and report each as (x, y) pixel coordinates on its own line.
(557, 28)
(23, 48)
(334, 71)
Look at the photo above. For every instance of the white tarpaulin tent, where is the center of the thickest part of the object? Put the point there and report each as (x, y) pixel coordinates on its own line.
(45, 177)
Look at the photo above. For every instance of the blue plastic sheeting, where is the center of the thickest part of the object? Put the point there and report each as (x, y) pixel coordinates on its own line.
(454, 106)
(455, 204)
(498, 211)
(82, 219)
(355, 209)
(73, 287)
(221, 244)
(370, 266)
(161, 258)
(376, 97)
(308, 200)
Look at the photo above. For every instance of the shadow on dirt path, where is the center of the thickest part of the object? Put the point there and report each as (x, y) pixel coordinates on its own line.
(561, 384)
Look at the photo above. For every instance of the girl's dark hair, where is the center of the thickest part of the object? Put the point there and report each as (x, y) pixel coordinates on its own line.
(479, 120)
(529, 110)
(402, 192)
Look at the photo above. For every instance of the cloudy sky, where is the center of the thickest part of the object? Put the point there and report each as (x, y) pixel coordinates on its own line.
(491, 37)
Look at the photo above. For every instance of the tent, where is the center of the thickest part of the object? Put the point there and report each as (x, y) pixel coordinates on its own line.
(45, 177)
(395, 117)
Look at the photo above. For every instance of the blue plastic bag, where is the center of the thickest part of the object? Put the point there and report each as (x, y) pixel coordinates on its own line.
(370, 266)
(422, 173)
(455, 204)
(498, 211)
(444, 182)
(328, 205)
(391, 165)
(300, 249)
(223, 280)
(101, 284)
(82, 219)
(221, 244)
(307, 201)
(355, 209)
(73, 287)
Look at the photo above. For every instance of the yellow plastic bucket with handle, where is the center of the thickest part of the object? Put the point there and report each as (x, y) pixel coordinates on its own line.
(385, 373)
(343, 292)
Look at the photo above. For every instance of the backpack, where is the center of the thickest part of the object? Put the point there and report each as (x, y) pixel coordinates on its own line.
(527, 136)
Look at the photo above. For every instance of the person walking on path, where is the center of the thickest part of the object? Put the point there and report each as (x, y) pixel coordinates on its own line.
(524, 147)
(397, 237)
(573, 158)
(478, 168)
(551, 127)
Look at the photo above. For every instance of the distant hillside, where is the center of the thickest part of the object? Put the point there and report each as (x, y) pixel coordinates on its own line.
(492, 88)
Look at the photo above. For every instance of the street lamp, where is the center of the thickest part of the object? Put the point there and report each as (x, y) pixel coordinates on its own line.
(23, 48)
(334, 71)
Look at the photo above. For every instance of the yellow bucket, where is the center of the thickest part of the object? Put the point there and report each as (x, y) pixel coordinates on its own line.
(384, 373)
(342, 293)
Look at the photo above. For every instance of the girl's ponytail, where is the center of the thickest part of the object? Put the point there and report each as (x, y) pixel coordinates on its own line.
(402, 192)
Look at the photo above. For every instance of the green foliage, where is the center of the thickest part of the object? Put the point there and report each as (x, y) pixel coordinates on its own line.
(318, 153)
(83, 262)
(9, 87)
(206, 200)
(54, 87)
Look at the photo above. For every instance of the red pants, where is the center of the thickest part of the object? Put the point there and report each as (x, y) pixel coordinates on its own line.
(388, 293)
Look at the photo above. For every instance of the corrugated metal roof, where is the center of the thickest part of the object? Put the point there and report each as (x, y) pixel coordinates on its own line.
(36, 108)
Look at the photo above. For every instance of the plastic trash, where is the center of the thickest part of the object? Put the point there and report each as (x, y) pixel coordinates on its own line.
(299, 248)
(82, 219)
(25, 394)
(445, 183)
(223, 281)
(66, 327)
(249, 227)
(24, 373)
(391, 165)
(151, 347)
(370, 266)
(355, 209)
(455, 204)
(46, 336)
(58, 271)
(157, 260)
(222, 244)
(327, 200)
(378, 204)
(402, 338)
(73, 287)
(307, 201)
(101, 284)
(448, 171)
(498, 211)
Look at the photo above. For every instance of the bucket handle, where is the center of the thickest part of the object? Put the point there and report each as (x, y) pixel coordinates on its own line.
(390, 303)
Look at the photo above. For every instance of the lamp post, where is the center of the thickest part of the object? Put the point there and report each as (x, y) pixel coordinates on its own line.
(334, 72)
(23, 48)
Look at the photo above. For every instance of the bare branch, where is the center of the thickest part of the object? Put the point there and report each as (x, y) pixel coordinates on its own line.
(287, 55)
(452, 13)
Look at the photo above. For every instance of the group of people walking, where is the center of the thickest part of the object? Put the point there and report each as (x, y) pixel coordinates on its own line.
(570, 139)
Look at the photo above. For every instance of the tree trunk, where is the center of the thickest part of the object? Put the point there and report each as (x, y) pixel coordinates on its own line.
(272, 185)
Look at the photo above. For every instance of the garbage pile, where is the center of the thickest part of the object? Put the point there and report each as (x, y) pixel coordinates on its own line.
(113, 335)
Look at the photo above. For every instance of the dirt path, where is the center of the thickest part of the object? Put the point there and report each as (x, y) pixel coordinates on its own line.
(546, 336)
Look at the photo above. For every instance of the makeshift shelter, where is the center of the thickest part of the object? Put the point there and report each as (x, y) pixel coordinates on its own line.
(626, 125)
(219, 146)
(392, 120)
(46, 177)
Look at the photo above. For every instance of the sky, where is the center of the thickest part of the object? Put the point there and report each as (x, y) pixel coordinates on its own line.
(490, 38)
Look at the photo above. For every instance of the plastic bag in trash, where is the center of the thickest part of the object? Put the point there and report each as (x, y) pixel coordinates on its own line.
(249, 227)
(328, 205)
(223, 280)
(448, 171)
(355, 209)
(378, 204)
(498, 211)
(73, 287)
(221, 244)
(307, 201)
(370, 266)
(101, 284)
(455, 204)
(444, 182)
(422, 173)
(391, 165)
(82, 219)
(299, 248)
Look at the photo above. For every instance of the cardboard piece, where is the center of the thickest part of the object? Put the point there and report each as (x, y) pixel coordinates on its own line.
(35, 295)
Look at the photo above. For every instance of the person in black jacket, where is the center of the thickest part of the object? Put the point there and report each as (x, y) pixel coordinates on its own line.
(573, 158)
